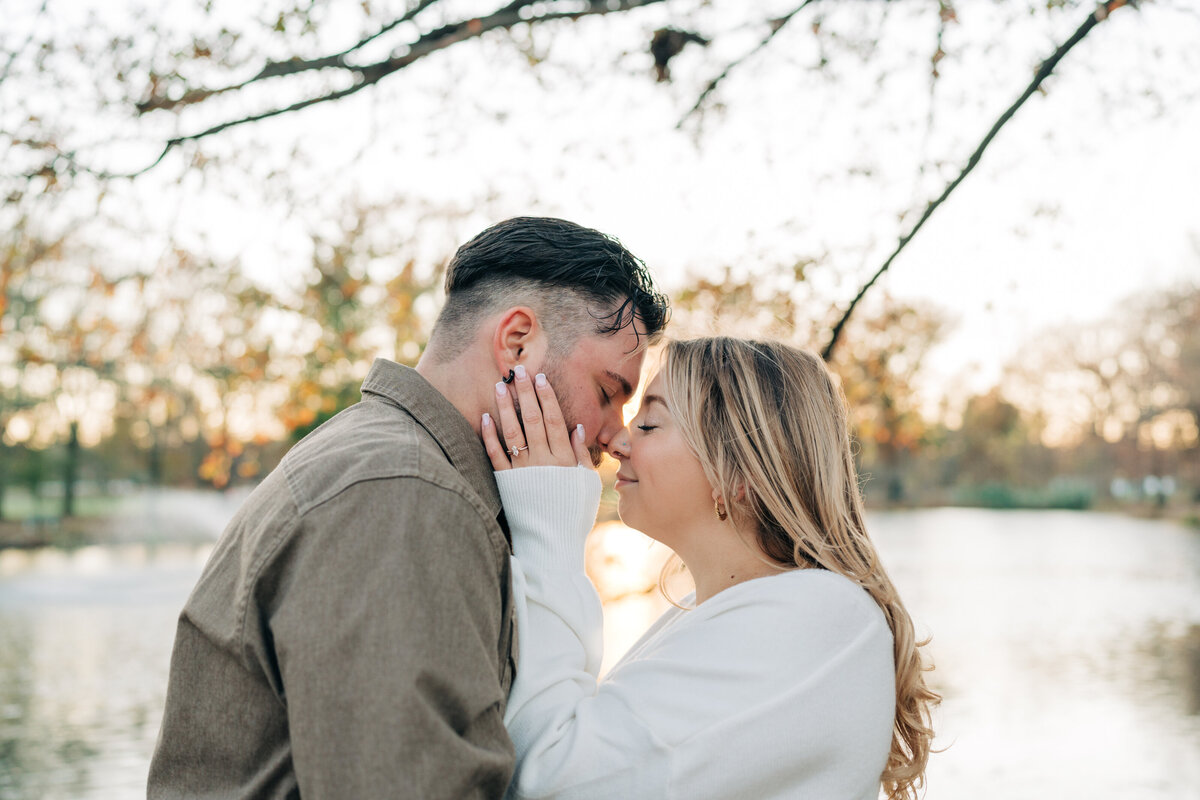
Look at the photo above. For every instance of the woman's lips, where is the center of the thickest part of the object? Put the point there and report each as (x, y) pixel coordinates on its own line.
(622, 481)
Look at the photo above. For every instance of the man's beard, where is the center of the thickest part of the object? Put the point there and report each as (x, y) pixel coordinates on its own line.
(565, 404)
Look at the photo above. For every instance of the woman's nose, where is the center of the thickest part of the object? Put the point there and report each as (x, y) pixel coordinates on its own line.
(618, 445)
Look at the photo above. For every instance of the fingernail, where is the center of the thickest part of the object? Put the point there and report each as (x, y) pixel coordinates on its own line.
(520, 370)
(579, 431)
(540, 378)
(487, 419)
(501, 389)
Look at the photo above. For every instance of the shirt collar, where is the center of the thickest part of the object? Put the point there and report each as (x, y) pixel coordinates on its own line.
(405, 387)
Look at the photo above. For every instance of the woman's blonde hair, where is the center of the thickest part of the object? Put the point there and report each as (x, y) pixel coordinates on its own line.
(769, 425)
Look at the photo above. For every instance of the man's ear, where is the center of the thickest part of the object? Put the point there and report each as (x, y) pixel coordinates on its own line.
(518, 339)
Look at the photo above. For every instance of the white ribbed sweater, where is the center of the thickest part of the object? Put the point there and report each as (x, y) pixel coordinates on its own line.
(779, 687)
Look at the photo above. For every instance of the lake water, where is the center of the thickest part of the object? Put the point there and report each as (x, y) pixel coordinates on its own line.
(1067, 647)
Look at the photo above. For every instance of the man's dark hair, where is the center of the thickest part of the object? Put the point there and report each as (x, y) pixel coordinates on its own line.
(545, 253)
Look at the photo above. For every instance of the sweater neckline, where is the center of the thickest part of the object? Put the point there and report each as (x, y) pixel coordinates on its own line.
(761, 580)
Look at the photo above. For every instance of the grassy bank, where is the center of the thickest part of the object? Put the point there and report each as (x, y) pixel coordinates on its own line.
(1065, 496)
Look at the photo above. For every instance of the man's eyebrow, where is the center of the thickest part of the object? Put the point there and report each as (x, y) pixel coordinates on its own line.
(626, 386)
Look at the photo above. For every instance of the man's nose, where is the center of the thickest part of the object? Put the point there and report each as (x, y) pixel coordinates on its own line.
(611, 420)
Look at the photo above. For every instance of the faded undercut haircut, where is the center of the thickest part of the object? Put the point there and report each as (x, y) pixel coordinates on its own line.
(579, 281)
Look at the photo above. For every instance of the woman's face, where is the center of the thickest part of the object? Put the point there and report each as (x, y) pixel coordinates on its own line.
(661, 484)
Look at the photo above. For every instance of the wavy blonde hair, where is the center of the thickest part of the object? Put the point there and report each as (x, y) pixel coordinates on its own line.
(769, 425)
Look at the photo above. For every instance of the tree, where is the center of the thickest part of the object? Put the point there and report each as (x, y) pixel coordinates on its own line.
(1123, 392)
(992, 436)
(362, 300)
(770, 306)
(198, 78)
(303, 110)
(21, 251)
(880, 368)
(61, 316)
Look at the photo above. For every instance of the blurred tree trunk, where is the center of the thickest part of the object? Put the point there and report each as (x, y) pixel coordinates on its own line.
(71, 471)
(32, 477)
(3, 477)
(154, 461)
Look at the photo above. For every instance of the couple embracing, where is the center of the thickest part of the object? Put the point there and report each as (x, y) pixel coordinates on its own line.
(400, 608)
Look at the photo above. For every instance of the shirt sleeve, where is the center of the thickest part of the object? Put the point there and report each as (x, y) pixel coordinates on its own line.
(387, 639)
(550, 511)
(550, 715)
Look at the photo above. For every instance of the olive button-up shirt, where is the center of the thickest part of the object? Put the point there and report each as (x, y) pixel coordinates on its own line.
(352, 633)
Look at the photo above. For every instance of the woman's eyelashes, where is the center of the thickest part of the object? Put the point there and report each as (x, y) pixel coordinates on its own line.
(646, 427)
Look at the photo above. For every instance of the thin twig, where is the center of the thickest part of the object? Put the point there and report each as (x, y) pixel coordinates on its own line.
(934, 74)
(1047, 67)
(776, 26)
(406, 17)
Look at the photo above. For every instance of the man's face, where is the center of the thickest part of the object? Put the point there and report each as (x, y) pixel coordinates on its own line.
(594, 380)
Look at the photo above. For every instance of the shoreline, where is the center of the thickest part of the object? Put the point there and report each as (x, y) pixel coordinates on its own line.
(75, 532)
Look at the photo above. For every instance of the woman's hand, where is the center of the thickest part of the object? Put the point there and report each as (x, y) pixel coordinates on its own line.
(545, 441)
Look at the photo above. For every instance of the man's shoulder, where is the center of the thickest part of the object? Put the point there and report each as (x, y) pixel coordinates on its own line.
(370, 441)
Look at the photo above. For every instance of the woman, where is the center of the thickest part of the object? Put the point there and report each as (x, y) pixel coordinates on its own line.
(796, 672)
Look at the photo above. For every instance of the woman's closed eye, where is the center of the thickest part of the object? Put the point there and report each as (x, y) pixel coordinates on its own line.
(646, 428)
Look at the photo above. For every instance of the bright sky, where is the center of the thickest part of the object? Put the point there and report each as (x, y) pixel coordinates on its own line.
(1127, 220)
(1090, 194)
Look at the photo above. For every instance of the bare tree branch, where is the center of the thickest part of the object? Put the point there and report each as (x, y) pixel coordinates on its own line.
(159, 101)
(365, 75)
(776, 26)
(1044, 71)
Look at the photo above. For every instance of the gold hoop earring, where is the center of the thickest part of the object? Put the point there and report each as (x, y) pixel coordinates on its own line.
(721, 513)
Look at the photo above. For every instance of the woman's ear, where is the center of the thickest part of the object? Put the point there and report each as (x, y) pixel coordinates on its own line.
(740, 496)
(519, 339)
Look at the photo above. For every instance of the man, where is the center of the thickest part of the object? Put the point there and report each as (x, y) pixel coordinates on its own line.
(352, 633)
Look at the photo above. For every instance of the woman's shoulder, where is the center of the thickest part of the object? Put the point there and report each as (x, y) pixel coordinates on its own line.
(793, 611)
(798, 607)
(798, 616)
(805, 631)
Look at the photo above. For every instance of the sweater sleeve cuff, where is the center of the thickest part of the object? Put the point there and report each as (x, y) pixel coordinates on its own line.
(550, 511)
